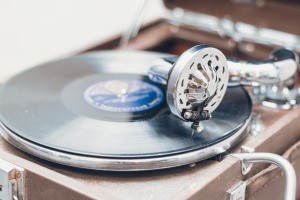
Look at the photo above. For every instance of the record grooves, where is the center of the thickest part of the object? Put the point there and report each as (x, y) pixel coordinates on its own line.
(101, 108)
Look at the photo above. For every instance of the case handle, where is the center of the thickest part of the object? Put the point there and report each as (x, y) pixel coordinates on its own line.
(286, 166)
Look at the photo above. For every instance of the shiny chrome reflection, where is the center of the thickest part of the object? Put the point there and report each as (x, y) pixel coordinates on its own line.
(273, 80)
(281, 66)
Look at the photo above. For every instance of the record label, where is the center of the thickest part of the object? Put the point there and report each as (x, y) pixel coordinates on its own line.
(123, 95)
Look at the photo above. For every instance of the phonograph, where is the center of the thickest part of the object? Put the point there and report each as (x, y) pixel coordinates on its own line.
(122, 120)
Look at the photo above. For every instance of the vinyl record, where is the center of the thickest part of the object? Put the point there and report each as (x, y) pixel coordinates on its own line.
(102, 105)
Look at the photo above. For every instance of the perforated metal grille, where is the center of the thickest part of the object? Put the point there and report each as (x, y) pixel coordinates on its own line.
(203, 79)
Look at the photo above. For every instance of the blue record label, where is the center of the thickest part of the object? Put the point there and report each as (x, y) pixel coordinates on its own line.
(123, 95)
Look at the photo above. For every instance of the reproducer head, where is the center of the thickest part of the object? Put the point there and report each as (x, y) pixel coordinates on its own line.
(196, 83)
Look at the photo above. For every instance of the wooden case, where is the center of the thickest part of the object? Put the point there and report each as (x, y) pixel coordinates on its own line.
(210, 179)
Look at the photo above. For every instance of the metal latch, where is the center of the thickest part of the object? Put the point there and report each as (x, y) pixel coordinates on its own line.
(11, 181)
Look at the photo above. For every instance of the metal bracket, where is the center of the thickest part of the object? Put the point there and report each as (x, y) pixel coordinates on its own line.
(238, 192)
(257, 125)
(12, 179)
(246, 166)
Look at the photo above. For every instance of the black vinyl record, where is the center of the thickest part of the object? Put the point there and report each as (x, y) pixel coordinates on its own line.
(103, 105)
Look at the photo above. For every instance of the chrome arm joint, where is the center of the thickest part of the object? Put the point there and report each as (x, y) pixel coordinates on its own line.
(281, 66)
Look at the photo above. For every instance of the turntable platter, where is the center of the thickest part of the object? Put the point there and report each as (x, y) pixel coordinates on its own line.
(102, 106)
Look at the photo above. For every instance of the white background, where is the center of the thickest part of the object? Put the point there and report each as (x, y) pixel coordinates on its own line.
(35, 31)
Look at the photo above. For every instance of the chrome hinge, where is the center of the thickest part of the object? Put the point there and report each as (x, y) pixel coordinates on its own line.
(11, 181)
(238, 191)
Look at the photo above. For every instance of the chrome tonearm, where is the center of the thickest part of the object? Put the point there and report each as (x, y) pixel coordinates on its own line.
(197, 80)
(281, 66)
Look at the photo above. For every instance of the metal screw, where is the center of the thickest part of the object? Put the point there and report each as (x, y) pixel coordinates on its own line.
(188, 115)
(18, 175)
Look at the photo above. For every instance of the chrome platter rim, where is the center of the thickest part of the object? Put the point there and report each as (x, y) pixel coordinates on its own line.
(113, 164)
